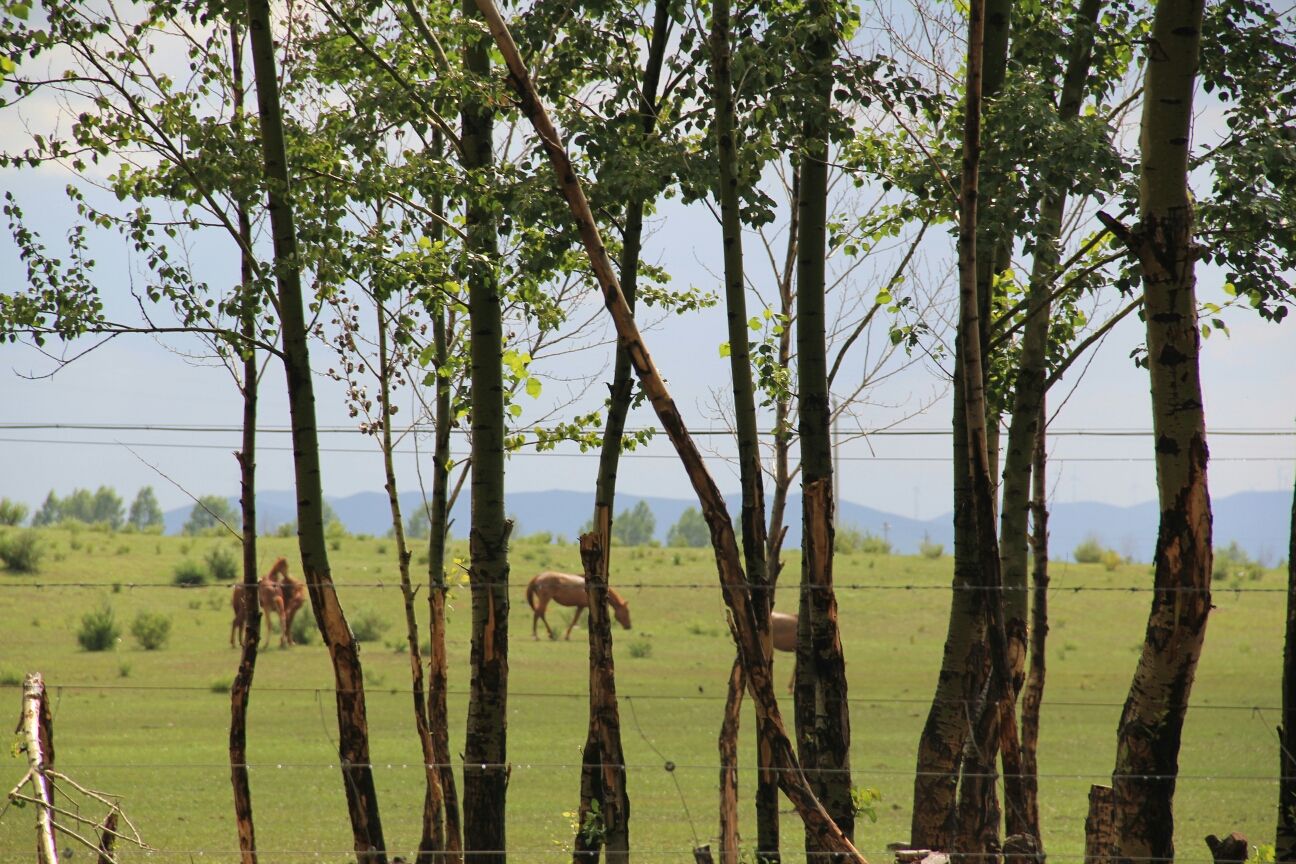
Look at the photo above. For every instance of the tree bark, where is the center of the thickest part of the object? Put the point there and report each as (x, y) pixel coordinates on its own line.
(37, 730)
(736, 594)
(1285, 838)
(604, 722)
(485, 744)
(353, 726)
(1033, 696)
(438, 674)
(1147, 744)
(728, 745)
(822, 710)
(1000, 696)
(432, 837)
(603, 773)
(241, 688)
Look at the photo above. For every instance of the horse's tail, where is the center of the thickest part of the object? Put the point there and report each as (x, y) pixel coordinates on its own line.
(531, 592)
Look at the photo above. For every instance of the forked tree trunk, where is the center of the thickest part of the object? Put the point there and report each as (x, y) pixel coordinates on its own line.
(353, 725)
(1147, 743)
(822, 710)
(432, 836)
(604, 733)
(1000, 697)
(1285, 838)
(485, 744)
(736, 594)
(241, 688)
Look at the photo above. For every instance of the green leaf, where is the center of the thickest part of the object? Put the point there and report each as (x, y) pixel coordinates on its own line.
(515, 410)
(754, 323)
(724, 349)
(533, 388)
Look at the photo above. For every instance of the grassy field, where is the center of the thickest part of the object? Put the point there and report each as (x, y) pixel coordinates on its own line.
(152, 726)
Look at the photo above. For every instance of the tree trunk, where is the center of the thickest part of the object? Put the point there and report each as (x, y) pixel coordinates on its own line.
(1285, 842)
(750, 470)
(1147, 744)
(822, 710)
(603, 773)
(353, 725)
(1033, 696)
(432, 837)
(1000, 697)
(728, 745)
(485, 744)
(37, 729)
(604, 722)
(734, 590)
(438, 713)
(241, 688)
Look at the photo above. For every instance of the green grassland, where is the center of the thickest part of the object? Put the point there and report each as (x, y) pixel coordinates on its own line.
(152, 726)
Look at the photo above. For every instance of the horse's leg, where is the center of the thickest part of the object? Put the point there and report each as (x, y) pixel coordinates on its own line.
(575, 618)
(540, 610)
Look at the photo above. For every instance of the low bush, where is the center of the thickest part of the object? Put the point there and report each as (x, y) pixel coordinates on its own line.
(221, 685)
(850, 540)
(10, 677)
(1111, 559)
(99, 630)
(222, 564)
(151, 630)
(1090, 551)
(189, 573)
(639, 649)
(303, 628)
(931, 550)
(21, 551)
(368, 627)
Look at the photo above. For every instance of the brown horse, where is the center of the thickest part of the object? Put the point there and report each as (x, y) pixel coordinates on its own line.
(294, 598)
(567, 590)
(269, 595)
(783, 633)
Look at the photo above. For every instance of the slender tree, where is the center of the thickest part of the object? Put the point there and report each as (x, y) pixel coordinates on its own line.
(1285, 842)
(1147, 742)
(353, 727)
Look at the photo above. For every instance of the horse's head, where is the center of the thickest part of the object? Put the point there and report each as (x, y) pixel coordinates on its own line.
(622, 613)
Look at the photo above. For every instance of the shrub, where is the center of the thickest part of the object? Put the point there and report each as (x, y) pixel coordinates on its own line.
(221, 564)
(151, 630)
(850, 539)
(1111, 559)
(368, 627)
(1090, 551)
(1233, 562)
(221, 685)
(12, 512)
(189, 573)
(21, 551)
(640, 649)
(10, 677)
(928, 549)
(303, 629)
(99, 630)
(124, 669)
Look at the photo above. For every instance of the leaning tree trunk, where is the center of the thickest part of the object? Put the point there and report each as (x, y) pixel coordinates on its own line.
(485, 744)
(1147, 743)
(353, 725)
(1285, 842)
(752, 517)
(734, 590)
(604, 733)
(241, 688)
(822, 710)
(432, 837)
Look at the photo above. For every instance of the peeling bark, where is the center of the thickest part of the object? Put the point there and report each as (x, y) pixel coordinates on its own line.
(729, 839)
(1285, 837)
(1151, 725)
(1033, 695)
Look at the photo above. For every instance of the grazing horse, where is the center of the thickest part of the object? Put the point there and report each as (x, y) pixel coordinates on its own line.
(269, 595)
(567, 590)
(294, 598)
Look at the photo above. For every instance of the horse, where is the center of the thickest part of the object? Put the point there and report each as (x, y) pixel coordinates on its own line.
(269, 595)
(567, 590)
(783, 633)
(294, 598)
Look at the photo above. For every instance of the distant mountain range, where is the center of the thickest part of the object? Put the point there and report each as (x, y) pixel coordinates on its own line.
(1257, 521)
